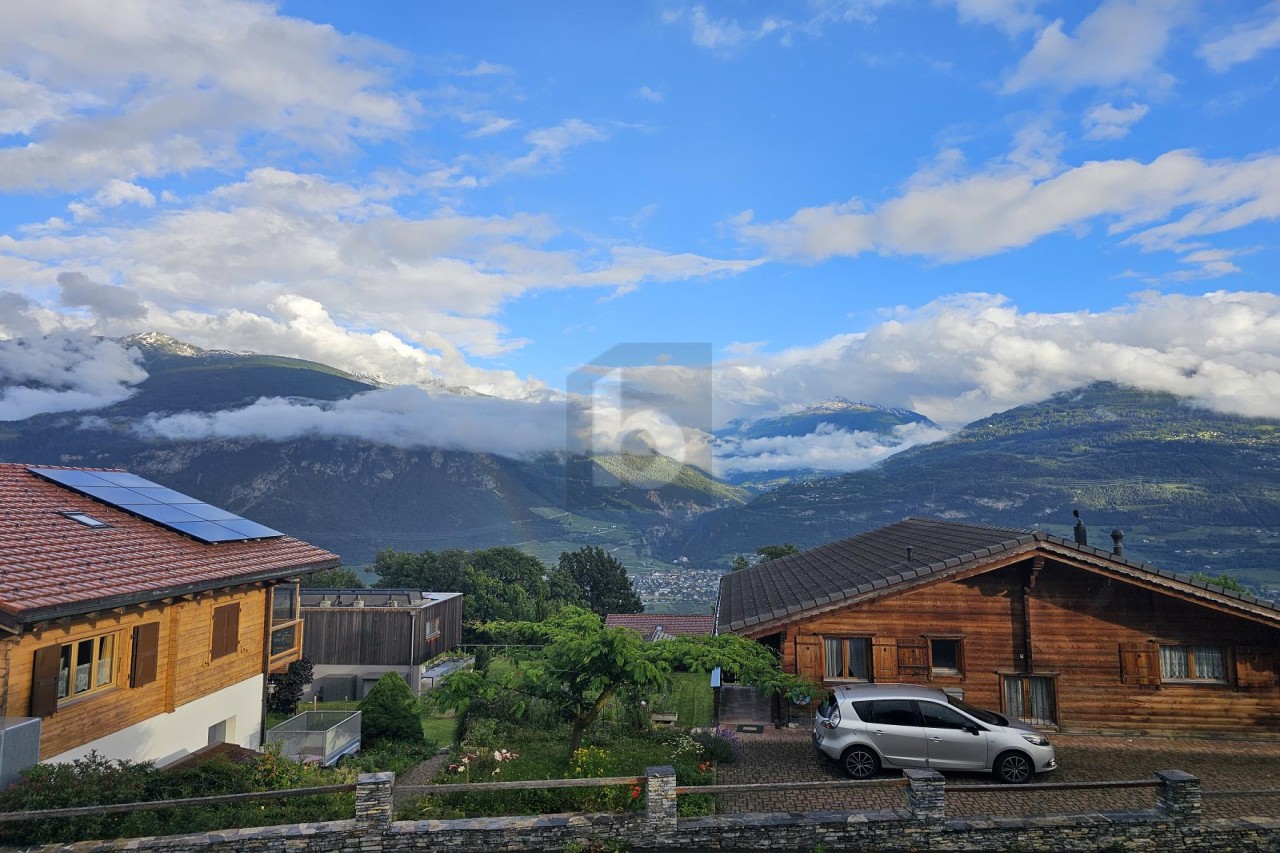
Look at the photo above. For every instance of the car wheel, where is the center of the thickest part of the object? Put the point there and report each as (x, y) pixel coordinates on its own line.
(859, 762)
(1014, 768)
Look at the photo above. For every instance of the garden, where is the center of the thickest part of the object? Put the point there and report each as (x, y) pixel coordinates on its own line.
(566, 698)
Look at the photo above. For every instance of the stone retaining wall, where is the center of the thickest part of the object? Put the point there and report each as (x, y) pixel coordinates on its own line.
(1173, 825)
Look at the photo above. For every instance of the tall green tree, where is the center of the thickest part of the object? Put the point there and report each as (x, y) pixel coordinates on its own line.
(342, 577)
(773, 552)
(603, 580)
(577, 665)
(497, 584)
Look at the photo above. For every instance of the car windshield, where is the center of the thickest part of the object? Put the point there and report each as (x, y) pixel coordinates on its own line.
(990, 717)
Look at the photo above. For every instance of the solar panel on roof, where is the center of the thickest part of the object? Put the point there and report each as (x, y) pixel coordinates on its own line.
(141, 497)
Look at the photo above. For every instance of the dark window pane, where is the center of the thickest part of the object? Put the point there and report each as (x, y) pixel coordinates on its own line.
(942, 717)
(946, 654)
(283, 639)
(893, 712)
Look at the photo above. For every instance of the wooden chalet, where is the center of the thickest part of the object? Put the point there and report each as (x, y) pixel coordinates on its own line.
(134, 637)
(356, 636)
(1044, 629)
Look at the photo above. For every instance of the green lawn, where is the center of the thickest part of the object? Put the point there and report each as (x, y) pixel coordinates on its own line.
(690, 698)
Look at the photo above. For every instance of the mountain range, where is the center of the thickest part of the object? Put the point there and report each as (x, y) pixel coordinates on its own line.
(1192, 490)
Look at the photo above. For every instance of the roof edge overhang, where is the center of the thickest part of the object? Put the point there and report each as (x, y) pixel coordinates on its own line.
(81, 608)
(1164, 581)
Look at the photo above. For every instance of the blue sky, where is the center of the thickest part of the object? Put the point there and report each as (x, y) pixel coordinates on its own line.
(950, 205)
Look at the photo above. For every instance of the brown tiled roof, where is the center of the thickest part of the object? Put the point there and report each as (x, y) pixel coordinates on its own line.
(649, 624)
(53, 566)
(876, 561)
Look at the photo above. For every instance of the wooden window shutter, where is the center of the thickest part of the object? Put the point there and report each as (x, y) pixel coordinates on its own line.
(1255, 667)
(913, 657)
(146, 653)
(226, 630)
(884, 659)
(44, 681)
(809, 656)
(1140, 663)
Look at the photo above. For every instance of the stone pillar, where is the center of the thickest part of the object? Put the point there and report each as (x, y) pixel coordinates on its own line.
(1178, 798)
(373, 801)
(660, 798)
(926, 794)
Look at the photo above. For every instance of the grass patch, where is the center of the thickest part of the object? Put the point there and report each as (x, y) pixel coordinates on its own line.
(690, 697)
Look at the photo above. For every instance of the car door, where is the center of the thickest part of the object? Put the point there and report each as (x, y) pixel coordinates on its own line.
(893, 726)
(953, 741)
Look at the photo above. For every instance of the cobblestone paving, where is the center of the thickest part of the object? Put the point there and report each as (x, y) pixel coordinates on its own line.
(1222, 765)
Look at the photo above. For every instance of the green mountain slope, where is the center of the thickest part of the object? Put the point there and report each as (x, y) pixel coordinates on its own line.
(1191, 489)
(355, 497)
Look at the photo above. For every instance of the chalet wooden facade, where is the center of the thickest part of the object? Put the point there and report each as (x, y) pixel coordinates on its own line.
(355, 636)
(130, 638)
(1042, 628)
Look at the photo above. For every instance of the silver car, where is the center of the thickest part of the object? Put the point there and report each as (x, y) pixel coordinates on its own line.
(865, 727)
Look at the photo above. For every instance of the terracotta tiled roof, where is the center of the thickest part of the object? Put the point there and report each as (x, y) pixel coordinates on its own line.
(651, 624)
(52, 565)
(876, 562)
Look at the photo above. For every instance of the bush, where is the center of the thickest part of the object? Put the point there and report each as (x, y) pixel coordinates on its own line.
(95, 780)
(723, 746)
(390, 713)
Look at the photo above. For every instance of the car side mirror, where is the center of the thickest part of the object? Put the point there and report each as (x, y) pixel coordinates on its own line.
(972, 729)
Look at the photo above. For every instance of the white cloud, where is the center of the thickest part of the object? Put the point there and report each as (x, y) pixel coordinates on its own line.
(725, 35)
(826, 449)
(134, 88)
(965, 357)
(546, 145)
(1121, 41)
(1110, 122)
(300, 265)
(1013, 202)
(72, 372)
(1012, 16)
(403, 417)
(103, 300)
(1245, 41)
(486, 69)
(653, 96)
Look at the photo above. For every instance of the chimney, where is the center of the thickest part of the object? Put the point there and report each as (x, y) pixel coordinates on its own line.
(1117, 542)
(909, 550)
(1081, 532)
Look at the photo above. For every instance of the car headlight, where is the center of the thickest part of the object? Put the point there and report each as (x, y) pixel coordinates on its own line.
(1038, 740)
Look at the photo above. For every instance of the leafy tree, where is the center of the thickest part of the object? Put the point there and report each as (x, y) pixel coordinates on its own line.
(339, 578)
(389, 712)
(740, 562)
(773, 552)
(497, 584)
(602, 579)
(289, 686)
(436, 571)
(577, 665)
(1225, 581)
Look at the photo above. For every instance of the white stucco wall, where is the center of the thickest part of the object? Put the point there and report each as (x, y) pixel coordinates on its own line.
(170, 737)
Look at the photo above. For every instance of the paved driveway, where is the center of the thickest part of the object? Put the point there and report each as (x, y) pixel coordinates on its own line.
(1222, 765)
